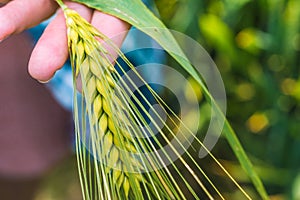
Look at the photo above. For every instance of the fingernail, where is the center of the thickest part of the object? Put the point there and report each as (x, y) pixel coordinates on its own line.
(43, 82)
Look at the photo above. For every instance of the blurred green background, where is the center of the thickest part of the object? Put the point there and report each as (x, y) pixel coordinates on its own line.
(255, 45)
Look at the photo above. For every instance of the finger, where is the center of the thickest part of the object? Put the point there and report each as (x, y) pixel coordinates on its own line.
(51, 51)
(114, 28)
(18, 15)
(4, 1)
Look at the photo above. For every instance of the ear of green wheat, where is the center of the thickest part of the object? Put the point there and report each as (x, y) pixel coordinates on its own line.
(124, 164)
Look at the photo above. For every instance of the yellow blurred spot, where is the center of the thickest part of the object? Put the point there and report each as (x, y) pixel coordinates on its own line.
(288, 86)
(253, 40)
(245, 91)
(217, 33)
(257, 122)
(246, 38)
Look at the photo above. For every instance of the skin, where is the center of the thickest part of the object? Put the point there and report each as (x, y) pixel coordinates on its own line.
(19, 15)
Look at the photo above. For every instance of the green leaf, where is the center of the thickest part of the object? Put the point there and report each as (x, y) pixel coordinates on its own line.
(138, 15)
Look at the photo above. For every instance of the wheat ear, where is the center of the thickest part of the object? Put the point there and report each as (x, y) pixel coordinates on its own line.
(87, 54)
(115, 138)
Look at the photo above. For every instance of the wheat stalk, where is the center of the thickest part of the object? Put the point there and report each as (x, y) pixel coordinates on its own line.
(86, 54)
(115, 137)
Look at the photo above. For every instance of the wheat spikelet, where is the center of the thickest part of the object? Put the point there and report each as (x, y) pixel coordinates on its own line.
(99, 86)
(122, 166)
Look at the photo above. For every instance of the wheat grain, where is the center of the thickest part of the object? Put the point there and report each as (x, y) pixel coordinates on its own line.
(99, 83)
(112, 133)
(118, 175)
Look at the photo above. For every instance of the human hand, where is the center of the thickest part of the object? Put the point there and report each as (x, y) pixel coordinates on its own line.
(51, 51)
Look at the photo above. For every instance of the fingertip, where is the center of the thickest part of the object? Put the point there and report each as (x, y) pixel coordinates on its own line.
(48, 56)
(50, 52)
(39, 67)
